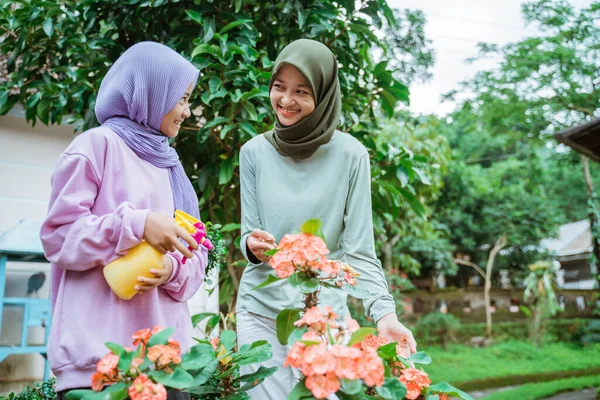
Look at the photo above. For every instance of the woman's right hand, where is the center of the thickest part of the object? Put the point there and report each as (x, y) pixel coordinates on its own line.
(163, 233)
(260, 241)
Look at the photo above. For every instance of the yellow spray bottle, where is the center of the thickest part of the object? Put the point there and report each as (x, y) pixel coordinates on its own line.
(122, 273)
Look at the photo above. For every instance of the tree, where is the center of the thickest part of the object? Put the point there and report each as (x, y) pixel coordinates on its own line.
(544, 83)
(491, 209)
(56, 54)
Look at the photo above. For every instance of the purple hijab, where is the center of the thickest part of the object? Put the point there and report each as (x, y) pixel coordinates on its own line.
(144, 84)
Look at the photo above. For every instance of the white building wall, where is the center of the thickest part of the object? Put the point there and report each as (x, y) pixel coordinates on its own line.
(27, 159)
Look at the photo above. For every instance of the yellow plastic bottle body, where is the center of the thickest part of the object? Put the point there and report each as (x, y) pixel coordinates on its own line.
(122, 273)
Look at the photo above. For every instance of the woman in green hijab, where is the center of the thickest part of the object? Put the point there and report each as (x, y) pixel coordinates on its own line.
(305, 168)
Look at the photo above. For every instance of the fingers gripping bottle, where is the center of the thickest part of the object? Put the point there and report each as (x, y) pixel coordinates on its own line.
(122, 273)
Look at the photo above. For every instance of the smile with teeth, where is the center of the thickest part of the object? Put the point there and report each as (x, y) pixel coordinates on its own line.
(288, 111)
(178, 123)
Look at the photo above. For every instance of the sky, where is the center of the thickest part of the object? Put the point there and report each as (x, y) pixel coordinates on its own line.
(455, 27)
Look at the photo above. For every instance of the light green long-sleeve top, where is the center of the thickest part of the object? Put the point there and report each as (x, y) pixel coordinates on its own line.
(279, 193)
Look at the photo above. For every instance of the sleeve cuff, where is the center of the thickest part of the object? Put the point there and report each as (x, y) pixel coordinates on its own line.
(251, 258)
(138, 223)
(382, 307)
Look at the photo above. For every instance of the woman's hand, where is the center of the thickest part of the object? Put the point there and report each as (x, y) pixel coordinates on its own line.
(390, 327)
(163, 233)
(161, 276)
(258, 242)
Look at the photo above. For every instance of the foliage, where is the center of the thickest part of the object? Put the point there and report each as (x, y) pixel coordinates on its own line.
(407, 173)
(217, 256)
(156, 364)
(440, 327)
(56, 54)
(539, 291)
(38, 391)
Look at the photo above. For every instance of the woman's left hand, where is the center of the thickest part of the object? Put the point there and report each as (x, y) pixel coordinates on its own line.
(390, 327)
(161, 276)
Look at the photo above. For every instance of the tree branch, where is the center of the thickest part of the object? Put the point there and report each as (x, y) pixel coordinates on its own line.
(470, 264)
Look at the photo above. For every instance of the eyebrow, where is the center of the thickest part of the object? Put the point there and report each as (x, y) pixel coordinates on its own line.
(187, 94)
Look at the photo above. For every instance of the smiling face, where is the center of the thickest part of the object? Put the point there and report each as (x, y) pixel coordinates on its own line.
(291, 96)
(172, 120)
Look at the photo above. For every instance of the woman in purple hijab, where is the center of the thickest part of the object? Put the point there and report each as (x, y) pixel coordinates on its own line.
(114, 187)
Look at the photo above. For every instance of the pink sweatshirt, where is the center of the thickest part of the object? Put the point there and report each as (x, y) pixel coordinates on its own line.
(101, 195)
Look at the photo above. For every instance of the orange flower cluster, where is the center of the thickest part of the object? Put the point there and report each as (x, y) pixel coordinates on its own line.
(143, 388)
(323, 359)
(415, 381)
(305, 252)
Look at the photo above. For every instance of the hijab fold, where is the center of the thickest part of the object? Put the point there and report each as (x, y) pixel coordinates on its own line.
(319, 66)
(143, 85)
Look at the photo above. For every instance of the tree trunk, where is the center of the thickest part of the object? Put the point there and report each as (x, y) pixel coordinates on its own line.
(592, 216)
(536, 325)
(500, 244)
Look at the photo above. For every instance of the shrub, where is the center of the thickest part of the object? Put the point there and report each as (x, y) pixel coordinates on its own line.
(438, 327)
(38, 391)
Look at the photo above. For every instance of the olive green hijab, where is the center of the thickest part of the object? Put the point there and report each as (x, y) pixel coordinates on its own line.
(318, 64)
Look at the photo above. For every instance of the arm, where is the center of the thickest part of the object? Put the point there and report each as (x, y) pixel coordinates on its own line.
(73, 237)
(359, 244)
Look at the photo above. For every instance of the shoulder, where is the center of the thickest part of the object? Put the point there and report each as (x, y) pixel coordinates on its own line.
(348, 145)
(254, 145)
(93, 142)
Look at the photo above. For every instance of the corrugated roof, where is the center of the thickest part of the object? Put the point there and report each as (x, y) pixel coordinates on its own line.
(22, 239)
(568, 233)
(583, 138)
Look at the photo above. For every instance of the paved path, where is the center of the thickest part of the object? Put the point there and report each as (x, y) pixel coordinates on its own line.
(585, 394)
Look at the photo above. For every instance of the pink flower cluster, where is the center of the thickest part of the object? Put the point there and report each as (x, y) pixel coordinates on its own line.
(142, 388)
(306, 252)
(415, 381)
(323, 359)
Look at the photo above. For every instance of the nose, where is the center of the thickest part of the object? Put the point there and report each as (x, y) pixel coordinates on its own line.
(287, 99)
(186, 111)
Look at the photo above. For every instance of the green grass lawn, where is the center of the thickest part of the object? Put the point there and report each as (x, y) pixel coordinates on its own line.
(462, 363)
(534, 391)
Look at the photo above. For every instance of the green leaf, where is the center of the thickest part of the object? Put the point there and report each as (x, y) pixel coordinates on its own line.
(388, 351)
(179, 379)
(117, 391)
(422, 176)
(248, 128)
(3, 98)
(285, 323)
(392, 389)
(296, 335)
(202, 390)
(195, 16)
(226, 171)
(302, 282)
(204, 375)
(353, 386)
(227, 339)
(231, 227)
(271, 252)
(270, 279)
(161, 337)
(198, 357)
(115, 348)
(359, 335)
(125, 360)
(48, 27)
(212, 323)
(311, 226)
(420, 357)
(209, 29)
(260, 374)
(444, 387)
(300, 392)
(233, 24)
(256, 354)
(197, 318)
(238, 5)
(414, 203)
